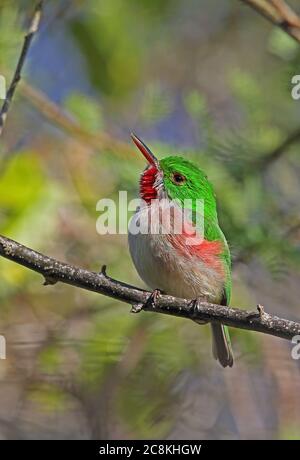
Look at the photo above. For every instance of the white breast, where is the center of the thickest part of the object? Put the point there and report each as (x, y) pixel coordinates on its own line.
(161, 266)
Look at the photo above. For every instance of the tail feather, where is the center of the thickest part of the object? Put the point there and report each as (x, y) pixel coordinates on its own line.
(221, 345)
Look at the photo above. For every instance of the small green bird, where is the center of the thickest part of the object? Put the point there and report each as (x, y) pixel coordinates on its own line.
(167, 261)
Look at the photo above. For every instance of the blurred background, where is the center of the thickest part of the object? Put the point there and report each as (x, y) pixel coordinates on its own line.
(208, 80)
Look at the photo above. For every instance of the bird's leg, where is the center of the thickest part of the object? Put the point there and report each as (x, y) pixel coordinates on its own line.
(150, 302)
(194, 307)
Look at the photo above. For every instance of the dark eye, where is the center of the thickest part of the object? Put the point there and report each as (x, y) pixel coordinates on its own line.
(178, 178)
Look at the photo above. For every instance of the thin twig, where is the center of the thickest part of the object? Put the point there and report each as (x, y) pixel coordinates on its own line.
(56, 271)
(276, 153)
(265, 161)
(55, 114)
(279, 14)
(52, 111)
(286, 12)
(33, 28)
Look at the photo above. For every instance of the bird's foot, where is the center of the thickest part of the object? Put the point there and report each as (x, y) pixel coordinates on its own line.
(194, 304)
(150, 302)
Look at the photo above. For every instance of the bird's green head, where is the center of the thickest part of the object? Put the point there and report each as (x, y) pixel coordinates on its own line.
(176, 178)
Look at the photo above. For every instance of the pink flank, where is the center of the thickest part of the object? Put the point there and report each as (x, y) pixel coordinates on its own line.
(208, 251)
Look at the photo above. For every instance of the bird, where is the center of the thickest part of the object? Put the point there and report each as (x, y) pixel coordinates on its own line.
(181, 263)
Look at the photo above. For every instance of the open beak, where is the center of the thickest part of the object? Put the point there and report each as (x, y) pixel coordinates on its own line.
(145, 151)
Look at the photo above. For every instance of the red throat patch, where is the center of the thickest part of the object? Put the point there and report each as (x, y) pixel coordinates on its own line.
(147, 189)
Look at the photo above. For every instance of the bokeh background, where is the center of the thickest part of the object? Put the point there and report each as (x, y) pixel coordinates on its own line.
(208, 80)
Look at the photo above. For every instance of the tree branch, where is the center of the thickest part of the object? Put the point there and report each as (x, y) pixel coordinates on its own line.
(278, 13)
(62, 119)
(275, 154)
(52, 111)
(33, 28)
(55, 271)
(267, 160)
(55, 114)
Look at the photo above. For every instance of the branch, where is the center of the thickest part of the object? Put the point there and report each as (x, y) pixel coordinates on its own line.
(55, 114)
(33, 28)
(55, 271)
(275, 154)
(278, 13)
(266, 160)
(52, 111)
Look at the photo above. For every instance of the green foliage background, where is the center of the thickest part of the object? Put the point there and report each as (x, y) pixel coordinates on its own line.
(206, 80)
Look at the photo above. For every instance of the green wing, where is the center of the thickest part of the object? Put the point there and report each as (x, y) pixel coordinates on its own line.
(213, 232)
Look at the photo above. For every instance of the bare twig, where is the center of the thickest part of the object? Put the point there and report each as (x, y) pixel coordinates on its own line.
(64, 121)
(266, 160)
(286, 12)
(276, 153)
(55, 271)
(52, 111)
(279, 14)
(34, 25)
(103, 141)
(99, 282)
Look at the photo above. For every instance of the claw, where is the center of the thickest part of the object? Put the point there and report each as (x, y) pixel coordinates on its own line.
(152, 299)
(194, 307)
